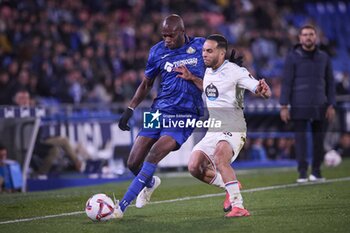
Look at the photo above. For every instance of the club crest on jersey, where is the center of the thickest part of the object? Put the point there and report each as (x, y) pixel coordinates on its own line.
(211, 92)
(191, 50)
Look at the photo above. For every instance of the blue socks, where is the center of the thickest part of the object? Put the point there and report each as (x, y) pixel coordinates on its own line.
(144, 177)
(150, 183)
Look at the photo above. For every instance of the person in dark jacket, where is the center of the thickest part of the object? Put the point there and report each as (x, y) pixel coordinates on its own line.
(308, 88)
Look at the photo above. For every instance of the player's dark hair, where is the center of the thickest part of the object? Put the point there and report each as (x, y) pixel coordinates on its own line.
(221, 40)
(238, 60)
(307, 26)
(222, 43)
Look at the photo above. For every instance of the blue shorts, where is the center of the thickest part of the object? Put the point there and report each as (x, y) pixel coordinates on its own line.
(179, 132)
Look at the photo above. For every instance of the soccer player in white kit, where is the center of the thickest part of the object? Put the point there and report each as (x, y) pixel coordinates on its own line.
(224, 84)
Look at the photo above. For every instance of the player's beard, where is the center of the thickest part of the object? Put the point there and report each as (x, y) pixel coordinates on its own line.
(211, 63)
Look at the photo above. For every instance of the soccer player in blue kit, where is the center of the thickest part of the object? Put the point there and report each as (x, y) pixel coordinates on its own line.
(178, 60)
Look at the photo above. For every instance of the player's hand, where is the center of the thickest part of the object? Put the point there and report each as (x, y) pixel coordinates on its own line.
(263, 89)
(284, 114)
(123, 121)
(183, 72)
(330, 113)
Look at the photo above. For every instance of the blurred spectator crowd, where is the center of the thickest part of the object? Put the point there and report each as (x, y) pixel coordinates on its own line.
(89, 51)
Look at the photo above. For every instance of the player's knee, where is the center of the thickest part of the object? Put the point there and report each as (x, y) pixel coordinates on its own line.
(193, 168)
(197, 164)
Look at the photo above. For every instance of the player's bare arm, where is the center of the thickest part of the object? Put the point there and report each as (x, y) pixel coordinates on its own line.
(141, 92)
(187, 75)
(139, 96)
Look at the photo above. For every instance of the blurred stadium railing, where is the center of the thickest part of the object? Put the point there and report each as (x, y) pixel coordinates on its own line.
(96, 126)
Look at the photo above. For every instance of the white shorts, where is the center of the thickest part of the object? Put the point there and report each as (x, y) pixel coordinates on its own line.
(208, 143)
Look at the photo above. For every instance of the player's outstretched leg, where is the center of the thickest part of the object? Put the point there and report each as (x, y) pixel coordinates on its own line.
(144, 196)
(136, 186)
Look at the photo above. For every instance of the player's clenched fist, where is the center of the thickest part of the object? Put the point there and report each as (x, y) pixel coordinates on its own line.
(263, 89)
(123, 121)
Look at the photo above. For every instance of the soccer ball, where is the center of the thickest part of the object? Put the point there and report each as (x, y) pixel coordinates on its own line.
(99, 207)
(332, 159)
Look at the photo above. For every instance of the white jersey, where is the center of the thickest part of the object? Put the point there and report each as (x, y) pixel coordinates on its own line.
(224, 90)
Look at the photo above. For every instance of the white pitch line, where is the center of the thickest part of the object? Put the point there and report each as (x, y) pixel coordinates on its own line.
(188, 198)
(42, 217)
(253, 190)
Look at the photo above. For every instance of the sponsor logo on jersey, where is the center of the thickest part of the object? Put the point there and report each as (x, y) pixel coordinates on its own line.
(211, 92)
(170, 66)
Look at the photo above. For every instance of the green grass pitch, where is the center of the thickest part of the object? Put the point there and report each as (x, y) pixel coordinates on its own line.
(323, 207)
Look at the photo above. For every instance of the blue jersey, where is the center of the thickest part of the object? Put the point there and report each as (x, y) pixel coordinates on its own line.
(176, 95)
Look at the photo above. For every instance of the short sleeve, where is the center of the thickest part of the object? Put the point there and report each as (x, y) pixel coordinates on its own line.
(246, 80)
(151, 70)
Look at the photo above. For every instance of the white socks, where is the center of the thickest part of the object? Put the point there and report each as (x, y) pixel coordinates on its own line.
(235, 195)
(217, 181)
(232, 188)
